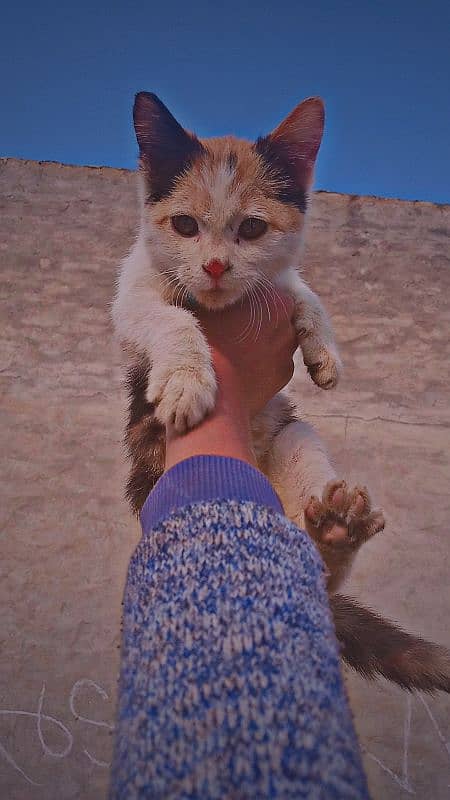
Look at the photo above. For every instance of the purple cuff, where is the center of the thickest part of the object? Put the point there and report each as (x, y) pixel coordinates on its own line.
(206, 478)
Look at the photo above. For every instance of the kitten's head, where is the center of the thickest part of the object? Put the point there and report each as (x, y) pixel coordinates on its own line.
(222, 216)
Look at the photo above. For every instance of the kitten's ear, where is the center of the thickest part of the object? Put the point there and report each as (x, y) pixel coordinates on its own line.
(165, 148)
(296, 141)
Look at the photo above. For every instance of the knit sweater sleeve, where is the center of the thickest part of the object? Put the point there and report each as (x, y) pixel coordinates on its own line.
(230, 682)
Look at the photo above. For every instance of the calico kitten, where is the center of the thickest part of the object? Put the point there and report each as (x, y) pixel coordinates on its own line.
(220, 218)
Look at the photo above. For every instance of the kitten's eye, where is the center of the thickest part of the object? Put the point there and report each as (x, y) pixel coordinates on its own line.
(184, 225)
(252, 228)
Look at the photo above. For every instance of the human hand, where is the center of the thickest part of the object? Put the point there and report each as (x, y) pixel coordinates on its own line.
(252, 361)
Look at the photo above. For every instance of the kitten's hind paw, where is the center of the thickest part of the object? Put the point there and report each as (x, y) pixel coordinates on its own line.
(343, 517)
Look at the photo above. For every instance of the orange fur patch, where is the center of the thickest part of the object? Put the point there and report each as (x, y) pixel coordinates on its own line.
(228, 181)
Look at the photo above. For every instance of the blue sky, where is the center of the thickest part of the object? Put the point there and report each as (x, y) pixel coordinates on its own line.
(69, 72)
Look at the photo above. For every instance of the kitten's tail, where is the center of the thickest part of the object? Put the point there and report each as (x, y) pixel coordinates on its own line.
(374, 646)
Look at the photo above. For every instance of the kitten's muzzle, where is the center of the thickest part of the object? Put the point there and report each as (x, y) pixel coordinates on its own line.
(216, 268)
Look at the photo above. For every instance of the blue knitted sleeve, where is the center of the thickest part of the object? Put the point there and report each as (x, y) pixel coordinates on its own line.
(230, 683)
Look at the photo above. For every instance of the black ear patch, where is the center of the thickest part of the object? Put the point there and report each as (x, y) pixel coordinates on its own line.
(165, 148)
(290, 151)
(278, 160)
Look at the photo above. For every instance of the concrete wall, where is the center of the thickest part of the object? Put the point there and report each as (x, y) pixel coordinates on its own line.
(382, 268)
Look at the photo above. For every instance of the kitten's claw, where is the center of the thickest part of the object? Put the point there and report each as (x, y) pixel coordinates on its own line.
(342, 518)
(185, 398)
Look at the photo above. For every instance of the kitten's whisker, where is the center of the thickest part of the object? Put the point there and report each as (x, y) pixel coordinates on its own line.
(254, 303)
(280, 298)
(171, 289)
(273, 294)
(259, 291)
(169, 284)
(283, 303)
(261, 288)
(168, 277)
(258, 308)
(179, 294)
(261, 316)
(185, 296)
(248, 327)
(243, 335)
(252, 308)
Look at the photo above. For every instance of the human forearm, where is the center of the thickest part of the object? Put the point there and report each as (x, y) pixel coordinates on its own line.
(230, 681)
(225, 432)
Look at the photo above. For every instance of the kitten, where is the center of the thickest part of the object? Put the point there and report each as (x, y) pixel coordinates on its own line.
(220, 218)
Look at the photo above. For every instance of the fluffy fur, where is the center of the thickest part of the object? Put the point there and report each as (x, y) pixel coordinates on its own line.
(212, 188)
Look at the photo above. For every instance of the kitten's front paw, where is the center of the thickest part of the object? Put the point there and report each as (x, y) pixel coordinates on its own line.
(343, 517)
(325, 372)
(322, 361)
(184, 398)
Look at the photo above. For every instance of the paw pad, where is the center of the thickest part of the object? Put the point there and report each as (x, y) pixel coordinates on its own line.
(343, 516)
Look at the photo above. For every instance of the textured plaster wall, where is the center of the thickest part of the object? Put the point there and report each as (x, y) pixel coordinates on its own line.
(382, 268)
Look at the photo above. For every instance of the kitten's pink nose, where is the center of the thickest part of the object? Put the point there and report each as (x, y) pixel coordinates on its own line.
(216, 268)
